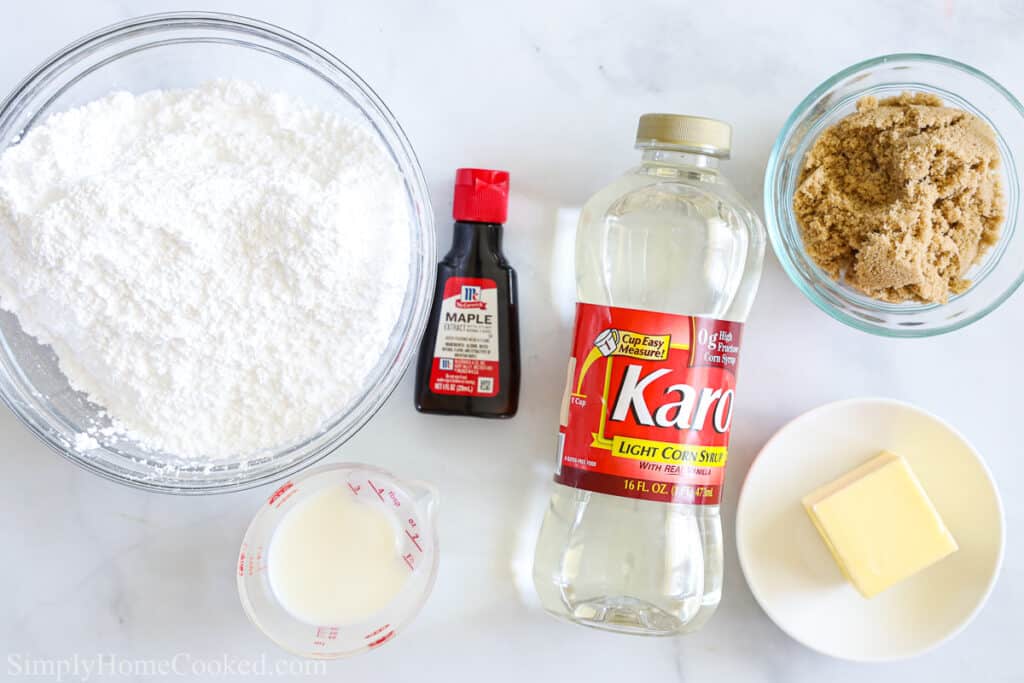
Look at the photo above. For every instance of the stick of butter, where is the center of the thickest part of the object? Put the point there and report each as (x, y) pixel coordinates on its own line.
(879, 524)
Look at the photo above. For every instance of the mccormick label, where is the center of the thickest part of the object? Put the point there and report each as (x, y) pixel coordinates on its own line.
(648, 405)
(466, 353)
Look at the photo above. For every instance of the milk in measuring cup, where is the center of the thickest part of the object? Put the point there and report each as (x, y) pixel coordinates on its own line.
(339, 560)
(335, 559)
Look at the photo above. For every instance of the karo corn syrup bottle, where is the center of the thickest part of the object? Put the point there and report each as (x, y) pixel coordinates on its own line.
(668, 259)
(469, 358)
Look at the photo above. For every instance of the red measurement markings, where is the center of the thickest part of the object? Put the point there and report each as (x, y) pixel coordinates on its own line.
(378, 491)
(383, 639)
(377, 631)
(415, 538)
(356, 488)
(409, 560)
(280, 492)
(324, 634)
(241, 559)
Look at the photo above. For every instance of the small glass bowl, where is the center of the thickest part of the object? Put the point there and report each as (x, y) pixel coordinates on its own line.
(180, 50)
(1000, 271)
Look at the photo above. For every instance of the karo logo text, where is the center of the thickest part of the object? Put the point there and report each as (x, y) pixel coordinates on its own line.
(690, 410)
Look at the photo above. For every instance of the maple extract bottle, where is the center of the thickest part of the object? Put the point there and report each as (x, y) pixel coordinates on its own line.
(469, 358)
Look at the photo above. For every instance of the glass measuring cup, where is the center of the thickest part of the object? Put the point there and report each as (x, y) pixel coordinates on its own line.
(412, 505)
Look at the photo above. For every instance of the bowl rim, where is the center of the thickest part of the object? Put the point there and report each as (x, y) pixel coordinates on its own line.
(778, 240)
(421, 212)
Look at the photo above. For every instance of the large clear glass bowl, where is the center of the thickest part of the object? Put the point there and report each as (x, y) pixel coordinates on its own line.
(1001, 270)
(176, 51)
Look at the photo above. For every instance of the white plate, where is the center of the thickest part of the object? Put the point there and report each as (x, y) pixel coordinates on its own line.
(793, 576)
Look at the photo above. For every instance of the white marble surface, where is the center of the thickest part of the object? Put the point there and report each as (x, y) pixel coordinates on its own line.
(550, 91)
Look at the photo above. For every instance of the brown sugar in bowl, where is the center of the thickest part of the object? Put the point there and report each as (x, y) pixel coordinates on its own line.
(871, 292)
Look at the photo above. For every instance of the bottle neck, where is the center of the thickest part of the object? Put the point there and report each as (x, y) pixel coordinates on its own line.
(675, 157)
(471, 237)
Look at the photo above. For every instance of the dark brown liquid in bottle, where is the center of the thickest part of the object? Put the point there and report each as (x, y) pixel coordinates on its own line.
(475, 253)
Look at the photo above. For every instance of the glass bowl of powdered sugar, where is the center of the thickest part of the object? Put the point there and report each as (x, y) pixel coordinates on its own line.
(216, 252)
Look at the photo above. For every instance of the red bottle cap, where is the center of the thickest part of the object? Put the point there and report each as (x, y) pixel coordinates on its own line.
(481, 195)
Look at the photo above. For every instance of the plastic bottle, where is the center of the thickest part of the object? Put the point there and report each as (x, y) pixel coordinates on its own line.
(668, 259)
(469, 357)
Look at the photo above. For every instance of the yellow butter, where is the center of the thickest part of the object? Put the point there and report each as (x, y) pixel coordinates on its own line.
(879, 524)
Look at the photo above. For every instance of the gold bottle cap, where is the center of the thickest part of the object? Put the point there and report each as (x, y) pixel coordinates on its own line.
(708, 136)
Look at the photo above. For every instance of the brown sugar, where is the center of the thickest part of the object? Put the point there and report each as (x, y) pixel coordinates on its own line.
(901, 198)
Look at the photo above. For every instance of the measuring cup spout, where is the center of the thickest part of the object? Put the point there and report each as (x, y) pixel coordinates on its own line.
(426, 496)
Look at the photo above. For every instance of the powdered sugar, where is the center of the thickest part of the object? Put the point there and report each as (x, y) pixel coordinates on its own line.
(218, 268)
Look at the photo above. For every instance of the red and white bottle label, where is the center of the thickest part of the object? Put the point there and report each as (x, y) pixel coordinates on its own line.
(648, 405)
(466, 360)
